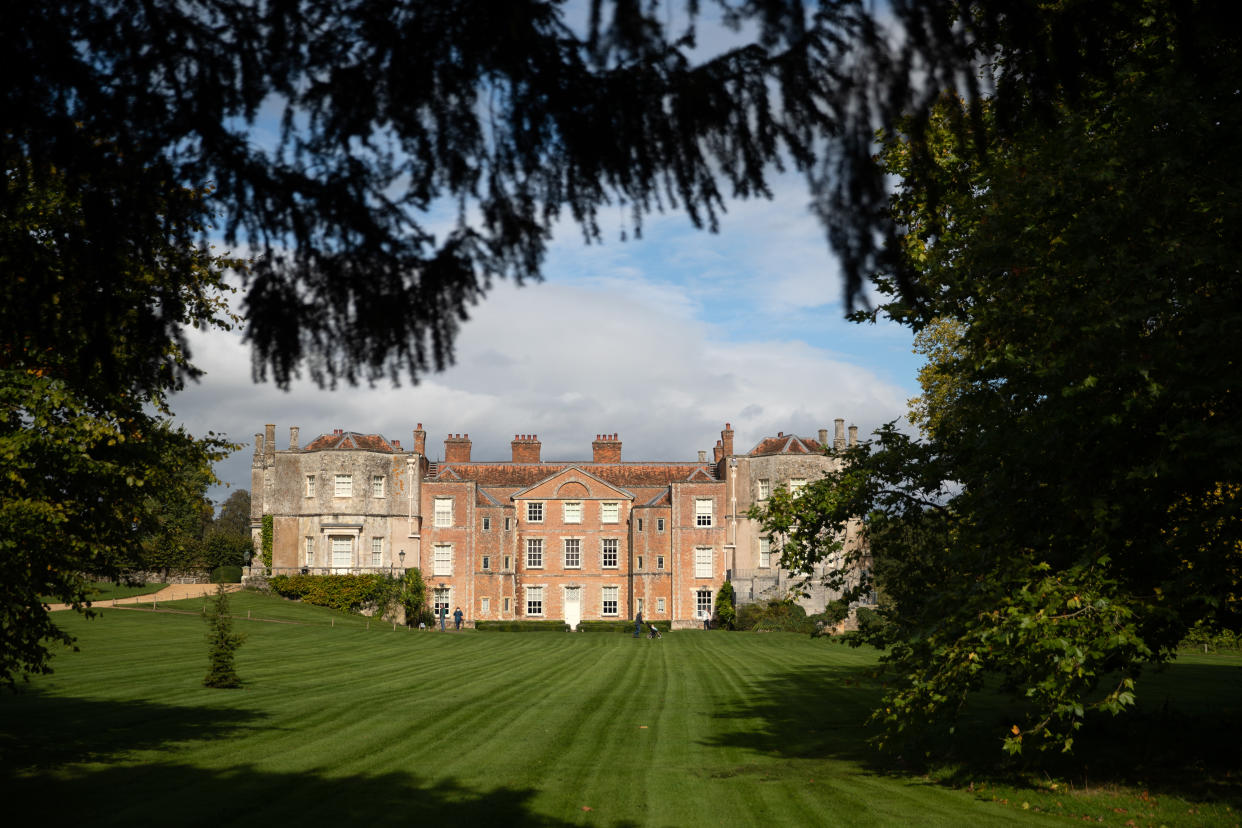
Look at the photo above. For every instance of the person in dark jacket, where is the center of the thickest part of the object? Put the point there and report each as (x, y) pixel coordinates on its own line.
(638, 623)
(457, 618)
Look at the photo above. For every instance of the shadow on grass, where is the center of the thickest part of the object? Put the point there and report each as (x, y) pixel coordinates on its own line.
(245, 795)
(809, 712)
(38, 731)
(72, 756)
(1184, 737)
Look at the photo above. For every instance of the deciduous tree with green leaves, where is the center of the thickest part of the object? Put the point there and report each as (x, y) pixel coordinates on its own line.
(87, 453)
(1073, 507)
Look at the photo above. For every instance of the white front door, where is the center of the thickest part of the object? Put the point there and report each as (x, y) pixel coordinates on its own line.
(573, 606)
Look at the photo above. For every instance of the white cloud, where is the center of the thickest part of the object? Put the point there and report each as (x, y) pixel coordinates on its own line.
(607, 353)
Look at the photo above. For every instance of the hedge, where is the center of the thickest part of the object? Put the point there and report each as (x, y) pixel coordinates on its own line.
(622, 626)
(521, 626)
(351, 593)
(226, 575)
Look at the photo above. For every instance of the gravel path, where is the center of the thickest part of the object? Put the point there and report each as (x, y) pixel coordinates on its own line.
(172, 592)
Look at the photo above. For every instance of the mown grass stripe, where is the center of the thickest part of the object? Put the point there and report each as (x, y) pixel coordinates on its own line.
(341, 724)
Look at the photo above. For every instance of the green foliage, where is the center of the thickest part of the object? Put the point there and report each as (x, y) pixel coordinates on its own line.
(222, 642)
(225, 550)
(619, 626)
(524, 626)
(1073, 506)
(774, 616)
(267, 533)
(226, 575)
(91, 345)
(350, 593)
(1203, 638)
(726, 615)
(234, 517)
(413, 598)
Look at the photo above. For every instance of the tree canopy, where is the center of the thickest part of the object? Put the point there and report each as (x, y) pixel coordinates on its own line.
(1073, 507)
(1068, 208)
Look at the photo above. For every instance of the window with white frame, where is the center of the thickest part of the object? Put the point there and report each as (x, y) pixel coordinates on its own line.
(660, 605)
(344, 485)
(508, 563)
(765, 553)
(610, 513)
(573, 553)
(534, 553)
(485, 605)
(608, 558)
(796, 484)
(443, 514)
(310, 551)
(487, 524)
(610, 600)
(573, 511)
(703, 603)
(703, 511)
(508, 524)
(441, 598)
(508, 606)
(639, 567)
(342, 550)
(659, 524)
(310, 485)
(377, 551)
(534, 511)
(638, 605)
(640, 524)
(765, 488)
(534, 600)
(702, 562)
(487, 562)
(377, 485)
(659, 561)
(442, 559)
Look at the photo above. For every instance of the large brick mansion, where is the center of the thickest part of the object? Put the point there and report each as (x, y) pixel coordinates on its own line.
(532, 538)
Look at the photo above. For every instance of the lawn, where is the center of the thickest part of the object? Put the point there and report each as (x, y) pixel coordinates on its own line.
(343, 724)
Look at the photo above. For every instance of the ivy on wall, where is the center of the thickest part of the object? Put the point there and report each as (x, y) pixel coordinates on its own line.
(267, 541)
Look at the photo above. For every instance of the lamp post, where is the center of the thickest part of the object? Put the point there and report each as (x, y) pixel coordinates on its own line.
(401, 555)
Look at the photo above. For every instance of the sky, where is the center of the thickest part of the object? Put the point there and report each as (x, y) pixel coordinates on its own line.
(661, 340)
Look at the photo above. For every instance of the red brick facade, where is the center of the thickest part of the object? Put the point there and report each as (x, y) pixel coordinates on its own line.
(512, 539)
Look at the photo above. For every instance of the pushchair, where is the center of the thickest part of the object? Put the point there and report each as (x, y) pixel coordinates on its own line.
(653, 632)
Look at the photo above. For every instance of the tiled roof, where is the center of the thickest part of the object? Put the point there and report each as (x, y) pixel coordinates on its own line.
(787, 444)
(350, 440)
(485, 499)
(625, 475)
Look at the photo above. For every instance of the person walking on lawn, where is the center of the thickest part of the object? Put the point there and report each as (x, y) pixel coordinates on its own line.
(457, 616)
(638, 623)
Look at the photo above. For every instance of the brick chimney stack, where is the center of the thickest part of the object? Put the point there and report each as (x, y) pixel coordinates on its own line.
(726, 439)
(420, 440)
(606, 449)
(293, 438)
(717, 451)
(526, 448)
(457, 448)
(838, 441)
